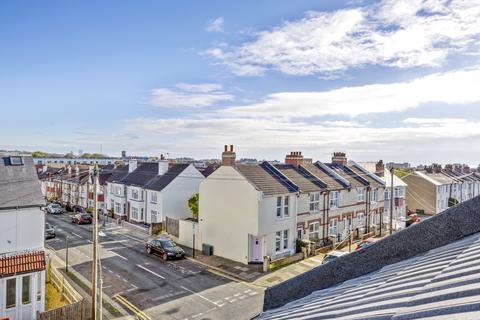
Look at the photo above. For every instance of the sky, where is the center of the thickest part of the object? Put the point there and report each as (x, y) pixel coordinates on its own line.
(397, 80)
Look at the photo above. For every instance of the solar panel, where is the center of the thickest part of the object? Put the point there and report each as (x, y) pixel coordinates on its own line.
(355, 175)
(344, 182)
(279, 176)
(371, 175)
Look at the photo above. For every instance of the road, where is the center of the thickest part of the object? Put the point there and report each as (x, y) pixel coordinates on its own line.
(146, 285)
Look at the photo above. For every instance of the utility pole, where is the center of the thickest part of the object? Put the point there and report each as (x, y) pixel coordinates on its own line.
(95, 236)
(66, 254)
(392, 172)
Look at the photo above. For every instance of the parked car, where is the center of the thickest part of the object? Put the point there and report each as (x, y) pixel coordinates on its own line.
(365, 243)
(77, 208)
(49, 231)
(82, 218)
(166, 248)
(333, 255)
(55, 208)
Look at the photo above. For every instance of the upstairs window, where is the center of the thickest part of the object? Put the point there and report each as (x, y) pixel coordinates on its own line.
(282, 207)
(13, 161)
(374, 195)
(286, 209)
(135, 194)
(153, 197)
(334, 199)
(360, 194)
(314, 202)
(279, 207)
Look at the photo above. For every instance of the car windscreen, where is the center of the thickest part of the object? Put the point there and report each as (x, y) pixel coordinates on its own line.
(167, 243)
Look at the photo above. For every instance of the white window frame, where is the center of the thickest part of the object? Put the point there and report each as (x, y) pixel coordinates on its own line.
(360, 219)
(282, 207)
(315, 202)
(278, 241)
(374, 195)
(135, 194)
(332, 226)
(334, 199)
(360, 194)
(285, 239)
(278, 213)
(153, 197)
(286, 204)
(314, 230)
(118, 206)
(135, 213)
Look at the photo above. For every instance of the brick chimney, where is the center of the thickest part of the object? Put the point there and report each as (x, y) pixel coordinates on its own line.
(132, 165)
(294, 158)
(339, 158)
(228, 156)
(449, 167)
(436, 168)
(379, 168)
(162, 165)
(466, 169)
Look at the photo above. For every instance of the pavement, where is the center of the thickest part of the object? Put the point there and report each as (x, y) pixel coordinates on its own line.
(148, 287)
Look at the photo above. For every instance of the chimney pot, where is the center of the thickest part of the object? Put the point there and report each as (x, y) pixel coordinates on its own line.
(226, 148)
(295, 158)
(228, 156)
(231, 148)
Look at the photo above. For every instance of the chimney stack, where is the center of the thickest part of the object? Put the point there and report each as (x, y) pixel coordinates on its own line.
(380, 168)
(339, 158)
(162, 165)
(449, 167)
(295, 158)
(132, 165)
(228, 156)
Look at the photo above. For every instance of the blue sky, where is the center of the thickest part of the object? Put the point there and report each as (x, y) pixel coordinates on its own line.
(386, 79)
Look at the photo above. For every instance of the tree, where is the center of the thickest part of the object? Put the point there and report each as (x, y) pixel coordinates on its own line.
(452, 201)
(69, 155)
(39, 154)
(193, 205)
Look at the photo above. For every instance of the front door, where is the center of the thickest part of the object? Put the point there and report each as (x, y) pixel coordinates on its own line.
(256, 247)
(349, 224)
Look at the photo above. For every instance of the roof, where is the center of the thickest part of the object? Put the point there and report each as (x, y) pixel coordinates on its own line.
(343, 171)
(118, 174)
(442, 283)
(263, 179)
(443, 232)
(331, 183)
(145, 172)
(306, 184)
(160, 182)
(437, 179)
(397, 182)
(19, 184)
(22, 263)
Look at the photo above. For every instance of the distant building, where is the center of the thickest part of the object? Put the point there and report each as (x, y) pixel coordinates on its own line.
(396, 165)
(66, 161)
(22, 254)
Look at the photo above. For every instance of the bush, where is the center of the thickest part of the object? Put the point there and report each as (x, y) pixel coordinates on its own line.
(452, 201)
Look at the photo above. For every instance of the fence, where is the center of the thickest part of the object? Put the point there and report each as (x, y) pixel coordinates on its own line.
(172, 226)
(75, 310)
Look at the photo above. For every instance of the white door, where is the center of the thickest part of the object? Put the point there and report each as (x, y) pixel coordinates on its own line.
(256, 245)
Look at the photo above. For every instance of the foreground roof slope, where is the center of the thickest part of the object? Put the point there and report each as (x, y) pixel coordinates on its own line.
(262, 179)
(443, 283)
(453, 224)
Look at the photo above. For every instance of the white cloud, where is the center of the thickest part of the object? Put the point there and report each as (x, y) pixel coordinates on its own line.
(189, 96)
(215, 25)
(454, 87)
(435, 121)
(394, 33)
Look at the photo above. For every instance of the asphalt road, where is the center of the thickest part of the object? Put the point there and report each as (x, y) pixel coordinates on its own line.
(148, 286)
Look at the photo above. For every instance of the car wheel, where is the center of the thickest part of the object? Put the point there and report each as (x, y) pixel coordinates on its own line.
(164, 257)
(149, 250)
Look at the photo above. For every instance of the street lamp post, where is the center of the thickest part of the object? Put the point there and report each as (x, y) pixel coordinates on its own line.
(66, 254)
(193, 237)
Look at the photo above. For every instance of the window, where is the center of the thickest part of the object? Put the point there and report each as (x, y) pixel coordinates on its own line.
(333, 199)
(153, 197)
(374, 218)
(278, 241)
(134, 213)
(315, 202)
(14, 161)
(360, 194)
(279, 207)
(373, 195)
(153, 215)
(333, 227)
(112, 204)
(11, 293)
(313, 230)
(39, 286)
(26, 290)
(360, 219)
(299, 233)
(135, 194)
(286, 212)
(386, 194)
(118, 208)
(399, 192)
(285, 239)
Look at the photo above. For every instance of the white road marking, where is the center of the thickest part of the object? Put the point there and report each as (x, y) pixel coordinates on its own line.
(90, 241)
(228, 298)
(252, 293)
(233, 300)
(152, 272)
(119, 256)
(197, 315)
(237, 294)
(77, 235)
(114, 241)
(200, 296)
(124, 280)
(247, 291)
(242, 297)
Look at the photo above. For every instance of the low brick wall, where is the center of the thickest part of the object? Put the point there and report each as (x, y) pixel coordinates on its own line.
(453, 224)
(284, 261)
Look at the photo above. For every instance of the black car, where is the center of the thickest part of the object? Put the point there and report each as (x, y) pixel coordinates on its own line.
(166, 248)
(49, 231)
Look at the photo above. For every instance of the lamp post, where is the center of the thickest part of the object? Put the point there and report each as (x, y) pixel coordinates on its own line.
(193, 238)
(392, 172)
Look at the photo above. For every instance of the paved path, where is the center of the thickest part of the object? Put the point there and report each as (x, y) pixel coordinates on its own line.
(149, 287)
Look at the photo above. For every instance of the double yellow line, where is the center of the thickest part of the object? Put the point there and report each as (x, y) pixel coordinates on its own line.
(131, 307)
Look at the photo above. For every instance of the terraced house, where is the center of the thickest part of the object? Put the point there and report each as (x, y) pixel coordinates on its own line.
(148, 192)
(266, 206)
